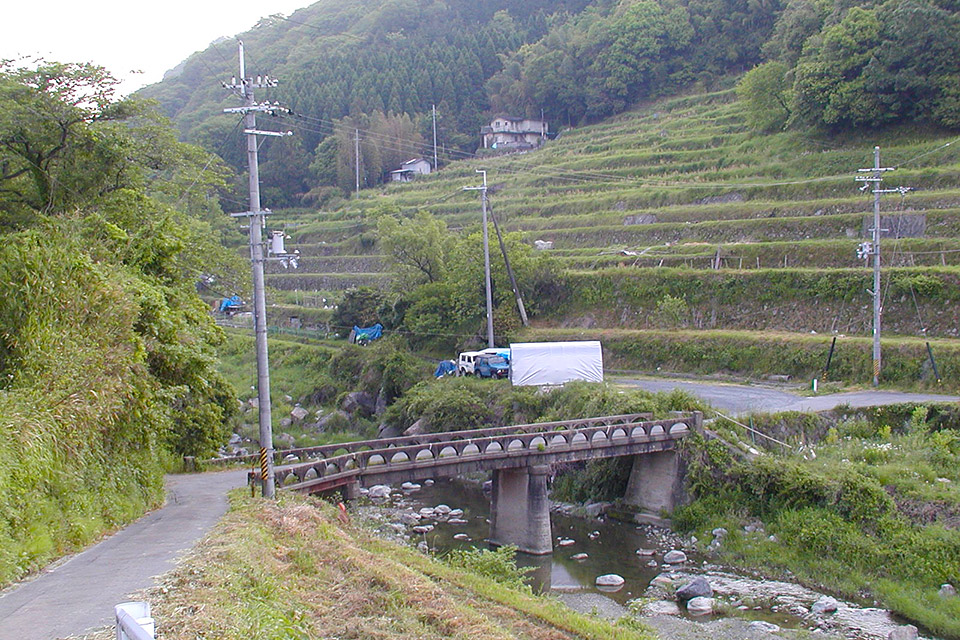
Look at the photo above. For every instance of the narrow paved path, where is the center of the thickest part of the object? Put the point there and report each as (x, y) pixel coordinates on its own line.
(737, 398)
(79, 594)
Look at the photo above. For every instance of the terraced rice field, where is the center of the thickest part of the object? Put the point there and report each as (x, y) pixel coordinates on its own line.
(679, 199)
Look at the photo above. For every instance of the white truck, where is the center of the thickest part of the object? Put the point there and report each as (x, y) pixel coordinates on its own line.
(551, 363)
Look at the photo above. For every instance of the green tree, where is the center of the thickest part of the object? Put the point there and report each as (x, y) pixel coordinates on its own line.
(766, 91)
(417, 247)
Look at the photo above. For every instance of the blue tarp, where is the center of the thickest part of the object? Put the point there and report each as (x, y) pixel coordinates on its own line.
(445, 368)
(229, 303)
(368, 334)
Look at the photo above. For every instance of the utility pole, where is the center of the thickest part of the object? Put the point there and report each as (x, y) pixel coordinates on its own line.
(257, 218)
(872, 249)
(356, 157)
(486, 255)
(434, 137)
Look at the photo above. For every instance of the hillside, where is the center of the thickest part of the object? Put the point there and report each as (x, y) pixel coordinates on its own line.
(677, 216)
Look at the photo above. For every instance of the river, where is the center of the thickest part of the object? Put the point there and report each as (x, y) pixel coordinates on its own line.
(612, 547)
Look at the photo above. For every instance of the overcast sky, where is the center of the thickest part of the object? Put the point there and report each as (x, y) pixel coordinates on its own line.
(129, 35)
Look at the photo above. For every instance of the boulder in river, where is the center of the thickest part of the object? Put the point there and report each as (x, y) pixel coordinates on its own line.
(700, 606)
(906, 632)
(696, 588)
(379, 491)
(579, 556)
(824, 604)
(610, 580)
(674, 557)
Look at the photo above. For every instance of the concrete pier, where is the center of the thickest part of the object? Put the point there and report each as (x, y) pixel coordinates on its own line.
(656, 485)
(520, 509)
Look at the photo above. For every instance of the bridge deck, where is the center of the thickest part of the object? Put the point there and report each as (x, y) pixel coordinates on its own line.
(447, 454)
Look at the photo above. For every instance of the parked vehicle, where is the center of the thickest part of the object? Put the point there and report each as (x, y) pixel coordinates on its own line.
(491, 366)
(466, 362)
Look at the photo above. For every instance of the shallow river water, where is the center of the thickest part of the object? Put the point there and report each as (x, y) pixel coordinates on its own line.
(611, 547)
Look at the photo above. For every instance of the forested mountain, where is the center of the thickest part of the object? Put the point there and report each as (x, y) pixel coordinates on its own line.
(374, 68)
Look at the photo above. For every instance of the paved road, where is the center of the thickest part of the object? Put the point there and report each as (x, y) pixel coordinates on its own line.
(79, 594)
(735, 398)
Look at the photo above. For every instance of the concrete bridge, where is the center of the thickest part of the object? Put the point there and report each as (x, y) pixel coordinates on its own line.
(520, 457)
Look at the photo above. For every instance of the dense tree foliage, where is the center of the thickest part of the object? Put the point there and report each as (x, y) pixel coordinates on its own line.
(378, 66)
(440, 279)
(875, 64)
(107, 354)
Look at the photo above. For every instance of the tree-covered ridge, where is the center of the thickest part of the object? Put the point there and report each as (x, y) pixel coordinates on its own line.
(872, 64)
(107, 354)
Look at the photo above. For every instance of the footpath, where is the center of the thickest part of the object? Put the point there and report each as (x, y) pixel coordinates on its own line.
(77, 594)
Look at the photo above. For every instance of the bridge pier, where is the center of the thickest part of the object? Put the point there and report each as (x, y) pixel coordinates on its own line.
(655, 485)
(520, 509)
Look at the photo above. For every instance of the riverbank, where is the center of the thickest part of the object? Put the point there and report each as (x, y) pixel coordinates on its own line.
(299, 567)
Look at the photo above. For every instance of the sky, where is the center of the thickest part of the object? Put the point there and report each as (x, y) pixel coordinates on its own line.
(136, 41)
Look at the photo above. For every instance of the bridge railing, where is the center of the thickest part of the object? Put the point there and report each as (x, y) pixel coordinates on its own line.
(328, 450)
(435, 450)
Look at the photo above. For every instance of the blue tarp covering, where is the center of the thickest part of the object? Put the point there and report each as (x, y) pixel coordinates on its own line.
(229, 303)
(367, 334)
(445, 368)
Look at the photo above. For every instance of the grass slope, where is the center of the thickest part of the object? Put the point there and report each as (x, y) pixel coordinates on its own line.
(292, 569)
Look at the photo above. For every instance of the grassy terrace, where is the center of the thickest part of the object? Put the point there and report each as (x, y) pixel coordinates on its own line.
(782, 212)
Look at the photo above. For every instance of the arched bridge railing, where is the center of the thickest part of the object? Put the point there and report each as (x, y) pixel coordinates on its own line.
(572, 439)
(329, 450)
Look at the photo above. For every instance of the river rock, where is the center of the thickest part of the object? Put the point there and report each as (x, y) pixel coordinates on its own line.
(610, 580)
(947, 591)
(719, 532)
(359, 402)
(461, 536)
(566, 542)
(418, 428)
(646, 552)
(595, 509)
(675, 557)
(428, 482)
(660, 608)
(423, 528)
(442, 509)
(410, 486)
(579, 556)
(700, 606)
(825, 604)
(652, 563)
(906, 632)
(455, 513)
(593, 535)
(456, 521)
(379, 491)
(696, 588)
(767, 627)
(410, 518)
(427, 512)
(662, 581)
